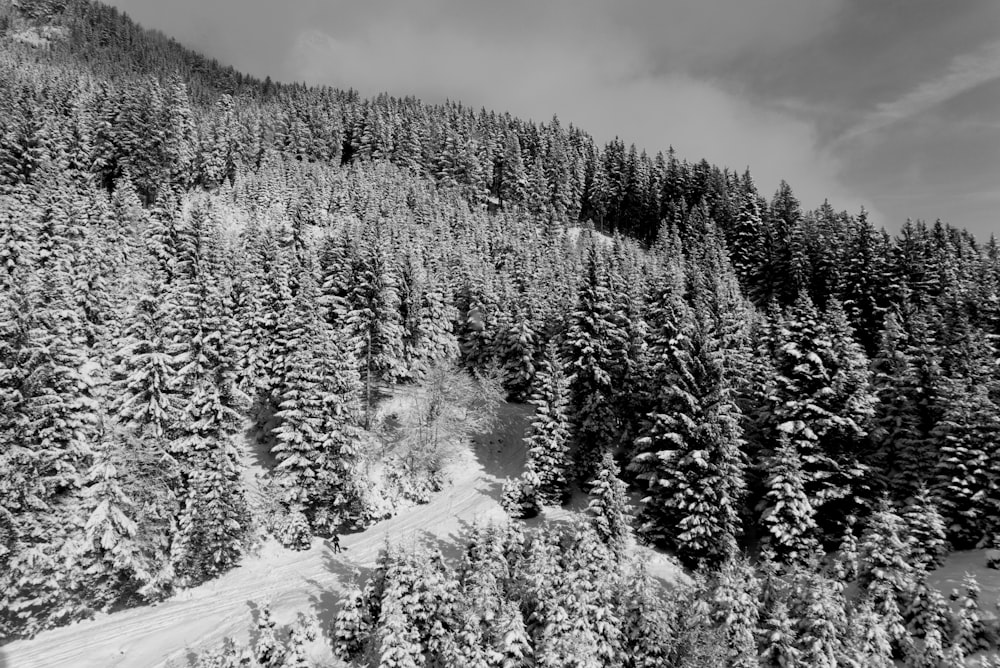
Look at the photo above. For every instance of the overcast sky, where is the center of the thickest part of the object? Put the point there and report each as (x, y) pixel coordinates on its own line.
(889, 104)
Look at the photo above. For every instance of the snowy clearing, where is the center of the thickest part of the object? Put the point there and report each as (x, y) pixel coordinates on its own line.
(293, 582)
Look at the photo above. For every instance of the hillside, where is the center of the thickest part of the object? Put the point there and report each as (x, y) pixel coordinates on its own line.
(199, 618)
(237, 313)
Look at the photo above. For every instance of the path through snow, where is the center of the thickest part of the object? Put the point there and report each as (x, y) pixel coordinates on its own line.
(291, 582)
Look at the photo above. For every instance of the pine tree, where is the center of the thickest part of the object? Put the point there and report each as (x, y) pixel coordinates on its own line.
(267, 649)
(926, 530)
(846, 562)
(970, 635)
(608, 506)
(736, 608)
(646, 635)
(884, 554)
(349, 628)
(398, 643)
(146, 366)
(787, 514)
(818, 607)
(779, 647)
(868, 642)
(519, 354)
(929, 655)
(969, 464)
(515, 649)
(864, 283)
(904, 447)
(214, 517)
(820, 397)
(373, 317)
(548, 436)
(747, 242)
(690, 453)
(296, 436)
(513, 177)
(118, 568)
(591, 338)
(294, 532)
(927, 612)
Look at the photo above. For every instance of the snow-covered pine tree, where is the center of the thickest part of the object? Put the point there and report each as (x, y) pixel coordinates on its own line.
(267, 650)
(145, 365)
(927, 531)
(865, 279)
(608, 506)
(591, 338)
(748, 239)
(690, 453)
(736, 608)
(548, 436)
(49, 426)
(630, 365)
(927, 611)
(214, 518)
(294, 532)
(820, 397)
(845, 561)
(437, 342)
(786, 513)
(519, 354)
(337, 494)
(296, 437)
(884, 552)
(968, 465)
(116, 567)
(817, 605)
(903, 447)
(350, 631)
(646, 634)
(399, 645)
(778, 640)
(373, 318)
(970, 630)
(867, 641)
(515, 646)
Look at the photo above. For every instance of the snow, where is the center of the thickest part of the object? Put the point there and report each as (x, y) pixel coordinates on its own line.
(40, 36)
(659, 563)
(574, 234)
(291, 582)
(950, 575)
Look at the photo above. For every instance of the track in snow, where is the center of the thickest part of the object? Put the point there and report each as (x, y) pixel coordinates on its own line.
(291, 582)
(174, 631)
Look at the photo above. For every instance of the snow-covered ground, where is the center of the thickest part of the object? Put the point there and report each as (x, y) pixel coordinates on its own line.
(949, 577)
(173, 631)
(290, 582)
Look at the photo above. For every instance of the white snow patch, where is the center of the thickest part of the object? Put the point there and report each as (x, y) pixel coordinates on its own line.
(40, 36)
(290, 582)
(949, 577)
(574, 234)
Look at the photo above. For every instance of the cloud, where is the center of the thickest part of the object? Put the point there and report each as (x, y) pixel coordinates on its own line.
(965, 72)
(603, 74)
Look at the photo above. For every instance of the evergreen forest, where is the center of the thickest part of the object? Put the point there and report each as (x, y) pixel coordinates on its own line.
(201, 271)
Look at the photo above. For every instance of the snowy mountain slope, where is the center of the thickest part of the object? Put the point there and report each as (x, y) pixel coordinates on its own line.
(290, 581)
(294, 582)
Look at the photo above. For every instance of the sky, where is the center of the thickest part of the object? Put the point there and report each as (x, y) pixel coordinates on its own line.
(893, 105)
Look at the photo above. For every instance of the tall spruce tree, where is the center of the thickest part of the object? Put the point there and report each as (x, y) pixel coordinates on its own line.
(689, 455)
(590, 342)
(547, 439)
